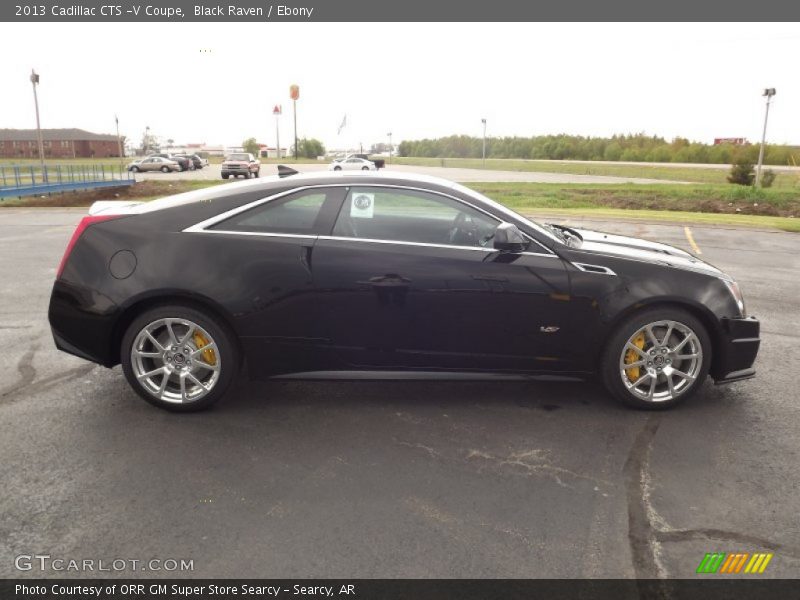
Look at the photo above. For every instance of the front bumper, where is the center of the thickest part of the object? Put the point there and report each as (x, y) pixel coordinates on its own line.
(736, 351)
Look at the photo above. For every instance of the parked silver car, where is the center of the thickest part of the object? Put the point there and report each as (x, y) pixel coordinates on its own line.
(154, 163)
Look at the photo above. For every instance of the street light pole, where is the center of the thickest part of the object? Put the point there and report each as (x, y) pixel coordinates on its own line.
(483, 153)
(768, 93)
(35, 82)
(391, 148)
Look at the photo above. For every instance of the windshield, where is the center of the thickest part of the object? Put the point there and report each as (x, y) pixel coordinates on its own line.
(515, 216)
(238, 157)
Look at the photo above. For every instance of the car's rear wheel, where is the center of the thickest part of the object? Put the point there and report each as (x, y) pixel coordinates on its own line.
(657, 358)
(225, 175)
(179, 358)
(165, 169)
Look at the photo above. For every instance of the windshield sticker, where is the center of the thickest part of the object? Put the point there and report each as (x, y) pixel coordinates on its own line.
(362, 205)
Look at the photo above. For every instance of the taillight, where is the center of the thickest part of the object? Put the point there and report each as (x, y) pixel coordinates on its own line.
(85, 222)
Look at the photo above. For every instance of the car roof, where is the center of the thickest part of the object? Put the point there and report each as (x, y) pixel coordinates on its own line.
(270, 183)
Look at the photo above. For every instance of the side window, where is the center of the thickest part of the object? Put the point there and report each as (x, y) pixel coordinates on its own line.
(401, 215)
(296, 213)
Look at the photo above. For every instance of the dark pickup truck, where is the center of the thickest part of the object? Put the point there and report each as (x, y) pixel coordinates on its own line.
(378, 162)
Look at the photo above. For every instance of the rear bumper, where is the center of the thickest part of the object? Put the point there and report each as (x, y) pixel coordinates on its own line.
(737, 350)
(82, 323)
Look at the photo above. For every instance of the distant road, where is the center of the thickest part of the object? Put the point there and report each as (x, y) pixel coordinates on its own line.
(451, 173)
(725, 167)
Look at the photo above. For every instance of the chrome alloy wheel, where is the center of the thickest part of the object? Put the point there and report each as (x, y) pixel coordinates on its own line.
(175, 360)
(661, 361)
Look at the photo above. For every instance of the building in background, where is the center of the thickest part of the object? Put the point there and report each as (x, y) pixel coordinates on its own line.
(265, 151)
(733, 141)
(58, 143)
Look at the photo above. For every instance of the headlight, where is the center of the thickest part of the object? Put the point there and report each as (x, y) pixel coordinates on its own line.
(737, 295)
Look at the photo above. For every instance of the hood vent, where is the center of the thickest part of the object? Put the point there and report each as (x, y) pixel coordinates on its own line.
(599, 269)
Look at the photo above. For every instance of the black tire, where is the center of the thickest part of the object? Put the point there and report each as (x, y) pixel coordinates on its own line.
(221, 334)
(610, 362)
(165, 169)
(365, 168)
(257, 173)
(225, 175)
(337, 168)
(134, 169)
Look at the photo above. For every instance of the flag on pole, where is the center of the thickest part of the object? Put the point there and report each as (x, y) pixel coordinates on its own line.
(344, 122)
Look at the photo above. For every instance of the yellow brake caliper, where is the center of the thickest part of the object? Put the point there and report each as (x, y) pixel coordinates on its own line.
(631, 356)
(209, 356)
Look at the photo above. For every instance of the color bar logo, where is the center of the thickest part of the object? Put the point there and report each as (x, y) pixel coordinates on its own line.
(734, 562)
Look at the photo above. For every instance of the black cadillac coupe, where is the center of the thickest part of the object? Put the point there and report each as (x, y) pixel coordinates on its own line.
(328, 274)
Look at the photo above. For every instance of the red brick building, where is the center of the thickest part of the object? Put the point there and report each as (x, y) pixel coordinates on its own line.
(58, 143)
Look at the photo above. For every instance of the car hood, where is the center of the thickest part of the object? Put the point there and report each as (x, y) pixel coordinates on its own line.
(598, 242)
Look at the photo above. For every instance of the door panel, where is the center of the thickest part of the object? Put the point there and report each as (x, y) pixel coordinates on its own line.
(418, 306)
(265, 255)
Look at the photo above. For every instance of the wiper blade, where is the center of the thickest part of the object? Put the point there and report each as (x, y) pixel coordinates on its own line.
(557, 231)
(568, 234)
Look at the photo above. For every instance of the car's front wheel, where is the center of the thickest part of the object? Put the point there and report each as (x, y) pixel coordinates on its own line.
(179, 358)
(657, 358)
(165, 169)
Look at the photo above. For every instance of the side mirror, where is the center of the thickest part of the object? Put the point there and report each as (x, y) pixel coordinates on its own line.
(508, 238)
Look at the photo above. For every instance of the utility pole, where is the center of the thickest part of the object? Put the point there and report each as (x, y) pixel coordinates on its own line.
(483, 154)
(390, 147)
(119, 143)
(277, 112)
(35, 82)
(768, 94)
(146, 139)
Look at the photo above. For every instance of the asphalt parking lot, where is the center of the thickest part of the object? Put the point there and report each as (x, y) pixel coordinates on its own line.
(452, 173)
(398, 479)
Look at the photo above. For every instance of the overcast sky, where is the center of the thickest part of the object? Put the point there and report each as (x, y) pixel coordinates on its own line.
(415, 80)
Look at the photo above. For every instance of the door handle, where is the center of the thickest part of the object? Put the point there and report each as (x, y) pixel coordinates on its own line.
(387, 281)
(305, 257)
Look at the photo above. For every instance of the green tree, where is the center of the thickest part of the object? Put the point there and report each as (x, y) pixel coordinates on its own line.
(310, 148)
(742, 172)
(251, 145)
(768, 178)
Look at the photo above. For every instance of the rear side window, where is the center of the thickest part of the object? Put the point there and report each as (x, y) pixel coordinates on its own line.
(298, 213)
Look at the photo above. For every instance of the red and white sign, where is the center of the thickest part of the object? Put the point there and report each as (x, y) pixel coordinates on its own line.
(277, 110)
